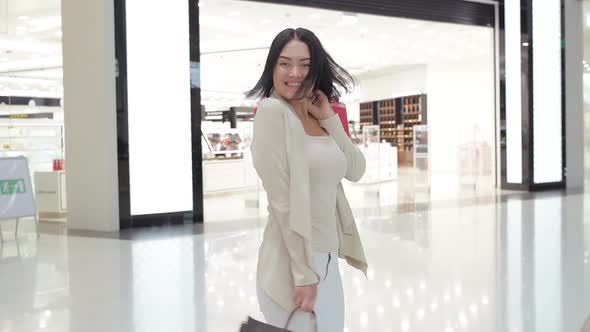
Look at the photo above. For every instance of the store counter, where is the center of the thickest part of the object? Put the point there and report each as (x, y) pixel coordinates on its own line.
(222, 175)
(381, 163)
(50, 194)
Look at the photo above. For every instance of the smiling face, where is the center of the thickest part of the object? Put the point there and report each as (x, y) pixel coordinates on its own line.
(291, 69)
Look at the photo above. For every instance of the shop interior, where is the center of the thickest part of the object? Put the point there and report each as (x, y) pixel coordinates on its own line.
(31, 101)
(423, 110)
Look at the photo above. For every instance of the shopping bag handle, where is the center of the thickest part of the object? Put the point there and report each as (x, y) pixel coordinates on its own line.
(315, 322)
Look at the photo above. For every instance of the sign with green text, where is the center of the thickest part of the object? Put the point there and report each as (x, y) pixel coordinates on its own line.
(12, 187)
(16, 189)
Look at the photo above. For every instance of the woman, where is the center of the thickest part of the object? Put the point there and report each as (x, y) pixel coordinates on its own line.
(301, 153)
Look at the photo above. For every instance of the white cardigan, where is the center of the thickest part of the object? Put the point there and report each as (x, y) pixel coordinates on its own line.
(278, 154)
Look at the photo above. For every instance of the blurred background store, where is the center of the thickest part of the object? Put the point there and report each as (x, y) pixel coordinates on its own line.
(423, 110)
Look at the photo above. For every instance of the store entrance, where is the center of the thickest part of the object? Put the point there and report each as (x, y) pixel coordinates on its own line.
(32, 116)
(423, 110)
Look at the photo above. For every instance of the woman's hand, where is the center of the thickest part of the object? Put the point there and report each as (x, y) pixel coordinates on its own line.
(320, 107)
(305, 297)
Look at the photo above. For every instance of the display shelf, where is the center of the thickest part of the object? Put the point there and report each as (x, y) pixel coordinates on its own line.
(367, 114)
(223, 143)
(39, 141)
(414, 113)
(24, 150)
(396, 118)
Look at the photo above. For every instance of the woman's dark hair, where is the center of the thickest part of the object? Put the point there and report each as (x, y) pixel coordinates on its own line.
(324, 73)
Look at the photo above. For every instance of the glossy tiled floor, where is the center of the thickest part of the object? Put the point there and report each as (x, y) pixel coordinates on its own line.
(516, 263)
(411, 188)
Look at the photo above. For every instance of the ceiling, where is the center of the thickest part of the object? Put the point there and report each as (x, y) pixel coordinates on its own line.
(235, 36)
(30, 48)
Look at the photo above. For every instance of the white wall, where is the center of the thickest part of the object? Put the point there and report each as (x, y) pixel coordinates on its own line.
(460, 102)
(396, 82)
(90, 118)
(461, 109)
(393, 83)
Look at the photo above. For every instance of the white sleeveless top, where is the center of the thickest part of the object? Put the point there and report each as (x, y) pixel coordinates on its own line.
(327, 167)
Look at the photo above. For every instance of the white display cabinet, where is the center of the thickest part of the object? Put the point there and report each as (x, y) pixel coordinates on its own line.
(40, 141)
(381, 158)
(227, 165)
(50, 192)
(381, 163)
(228, 175)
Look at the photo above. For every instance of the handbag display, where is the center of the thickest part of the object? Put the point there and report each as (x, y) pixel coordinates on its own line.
(253, 325)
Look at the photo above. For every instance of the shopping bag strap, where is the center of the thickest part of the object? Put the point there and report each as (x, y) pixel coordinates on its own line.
(315, 322)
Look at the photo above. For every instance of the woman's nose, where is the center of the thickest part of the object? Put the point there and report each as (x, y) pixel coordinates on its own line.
(295, 71)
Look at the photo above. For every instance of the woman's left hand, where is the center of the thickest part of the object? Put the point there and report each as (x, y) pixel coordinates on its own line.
(320, 107)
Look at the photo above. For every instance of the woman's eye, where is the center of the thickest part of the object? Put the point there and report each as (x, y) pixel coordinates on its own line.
(307, 65)
(283, 64)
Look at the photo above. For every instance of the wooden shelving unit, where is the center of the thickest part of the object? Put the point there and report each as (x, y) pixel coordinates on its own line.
(413, 113)
(396, 118)
(367, 114)
(387, 119)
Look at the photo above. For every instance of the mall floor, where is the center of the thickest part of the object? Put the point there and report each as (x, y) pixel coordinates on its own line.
(513, 262)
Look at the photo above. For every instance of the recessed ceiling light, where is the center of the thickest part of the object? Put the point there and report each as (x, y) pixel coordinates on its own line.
(383, 36)
(413, 25)
(525, 44)
(315, 16)
(266, 21)
(234, 14)
(23, 18)
(364, 30)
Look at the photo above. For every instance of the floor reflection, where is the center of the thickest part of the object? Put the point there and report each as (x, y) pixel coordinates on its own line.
(508, 265)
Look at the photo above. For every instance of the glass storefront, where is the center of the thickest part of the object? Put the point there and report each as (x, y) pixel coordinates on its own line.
(423, 110)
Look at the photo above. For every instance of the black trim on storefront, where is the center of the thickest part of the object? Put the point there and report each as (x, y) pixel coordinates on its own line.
(121, 109)
(525, 100)
(502, 109)
(196, 114)
(563, 98)
(532, 186)
(126, 220)
(527, 62)
(528, 161)
(450, 11)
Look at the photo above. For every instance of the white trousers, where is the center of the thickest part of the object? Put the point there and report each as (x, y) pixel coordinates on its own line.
(329, 307)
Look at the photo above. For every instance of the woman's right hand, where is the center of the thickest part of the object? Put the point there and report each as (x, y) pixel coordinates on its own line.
(305, 297)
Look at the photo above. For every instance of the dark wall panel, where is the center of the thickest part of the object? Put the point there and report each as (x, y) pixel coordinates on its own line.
(451, 11)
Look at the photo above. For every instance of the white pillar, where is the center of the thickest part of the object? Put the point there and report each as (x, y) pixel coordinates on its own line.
(90, 114)
(574, 98)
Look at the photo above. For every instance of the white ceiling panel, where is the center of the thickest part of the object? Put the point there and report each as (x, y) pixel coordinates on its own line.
(363, 44)
(235, 36)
